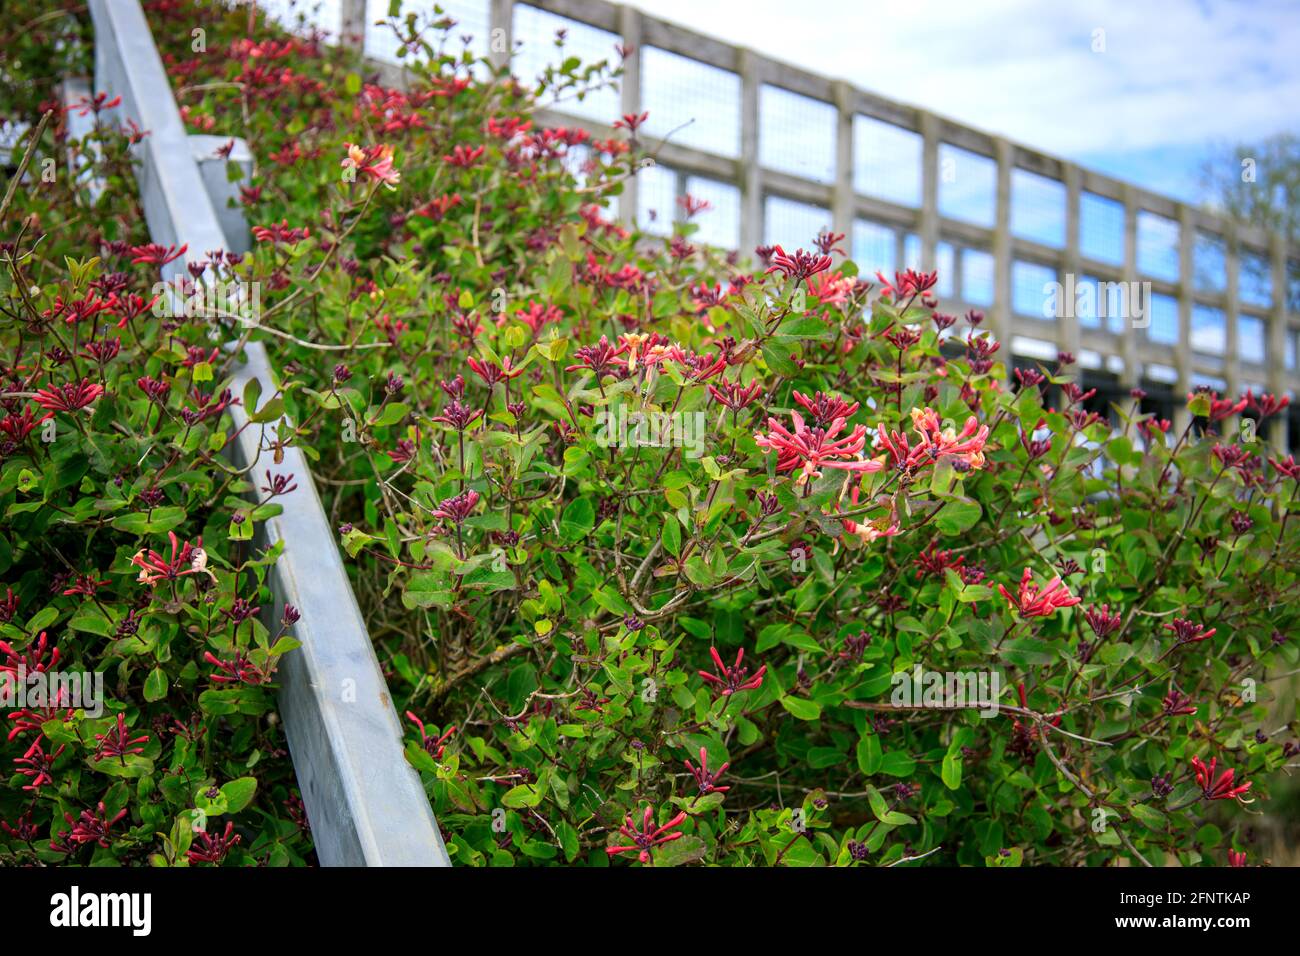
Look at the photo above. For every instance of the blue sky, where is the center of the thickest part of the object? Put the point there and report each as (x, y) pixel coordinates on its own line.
(1171, 76)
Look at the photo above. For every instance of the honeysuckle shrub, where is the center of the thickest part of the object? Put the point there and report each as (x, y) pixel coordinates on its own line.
(137, 717)
(647, 537)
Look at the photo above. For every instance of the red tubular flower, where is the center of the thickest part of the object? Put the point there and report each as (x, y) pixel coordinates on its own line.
(599, 358)
(212, 849)
(799, 265)
(32, 660)
(184, 560)
(693, 206)
(1033, 602)
(433, 746)
(733, 679)
(118, 743)
(631, 121)
(156, 255)
(735, 396)
(19, 426)
(1267, 404)
(909, 282)
(1189, 632)
(92, 827)
(463, 157)
(812, 449)
(1221, 408)
(1177, 703)
(824, 408)
(1102, 622)
(458, 507)
(69, 398)
(1221, 788)
(707, 781)
(239, 670)
(1236, 859)
(492, 374)
(38, 765)
(648, 836)
(281, 232)
(933, 561)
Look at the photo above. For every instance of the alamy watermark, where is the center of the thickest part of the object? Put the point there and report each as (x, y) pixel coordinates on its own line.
(81, 690)
(619, 428)
(239, 300)
(1130, 300)
(948, 690)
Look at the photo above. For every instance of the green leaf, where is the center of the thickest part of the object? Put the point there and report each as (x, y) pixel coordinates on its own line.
(672, 535)
(239, 793)
(950, 771)
(897, 764)
(578, 520)
(802, 708)
(155, 685)
(958, 516)
(157, 521)
(522, 796)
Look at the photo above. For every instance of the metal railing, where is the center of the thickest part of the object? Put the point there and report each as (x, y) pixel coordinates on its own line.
(1197, 328)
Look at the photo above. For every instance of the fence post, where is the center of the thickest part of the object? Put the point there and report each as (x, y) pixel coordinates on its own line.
(1277, 335)
(751, 174)
(1068, 336)
(352, 24)
(928, 224)
(501, 33)
(1000, 316)
(1232, 340)
(1186, 283)
(842, 204)
(629, 26)
(1129, 336)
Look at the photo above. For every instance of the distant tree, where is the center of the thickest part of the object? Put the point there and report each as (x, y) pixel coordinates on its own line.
(1258, 183)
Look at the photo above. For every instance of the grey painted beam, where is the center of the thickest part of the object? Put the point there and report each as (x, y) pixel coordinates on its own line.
(366, 803)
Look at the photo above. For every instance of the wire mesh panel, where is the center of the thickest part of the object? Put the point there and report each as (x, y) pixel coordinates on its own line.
(977, 272)
(546, 39)
(792, 225)
(1209, 262)
(968, 186)
(1209, 331)
(1101, 228)
(1100, 303)
(656, 199)
(720, 223)
(1037, 208)
(1254, 279)
(698, 104)
(1035, 290)
(1163, 329)
(886, 161)
(1157, 246)
(470, 20)
(300, 16)
(875, 247)
(796, 134)
(1252, 344)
